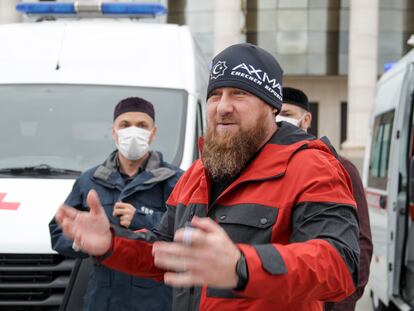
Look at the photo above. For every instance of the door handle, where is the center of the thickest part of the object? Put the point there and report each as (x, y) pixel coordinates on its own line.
(383, 201)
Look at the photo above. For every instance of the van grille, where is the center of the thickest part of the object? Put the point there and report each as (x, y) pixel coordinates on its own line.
(32, 282)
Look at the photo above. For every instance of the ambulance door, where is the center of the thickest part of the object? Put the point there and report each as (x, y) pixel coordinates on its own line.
(377, 196)
(407, 278)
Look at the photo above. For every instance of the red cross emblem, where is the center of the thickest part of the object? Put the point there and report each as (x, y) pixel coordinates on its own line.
(8, 205)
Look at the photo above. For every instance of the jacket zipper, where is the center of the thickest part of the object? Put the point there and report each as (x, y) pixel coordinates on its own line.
(191, 298)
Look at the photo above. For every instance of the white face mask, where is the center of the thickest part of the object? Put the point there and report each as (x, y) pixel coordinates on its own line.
(292, 121)
(133, 142)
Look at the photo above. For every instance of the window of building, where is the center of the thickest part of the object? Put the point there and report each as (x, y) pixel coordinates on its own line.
(380, 151)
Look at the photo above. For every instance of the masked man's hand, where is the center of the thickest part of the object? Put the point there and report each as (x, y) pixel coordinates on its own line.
(125, 212)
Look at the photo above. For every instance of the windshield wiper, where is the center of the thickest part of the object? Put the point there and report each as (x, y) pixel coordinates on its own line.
(41, 169)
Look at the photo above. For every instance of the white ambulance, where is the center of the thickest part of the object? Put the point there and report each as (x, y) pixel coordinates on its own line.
(60, 79)
(389, 182)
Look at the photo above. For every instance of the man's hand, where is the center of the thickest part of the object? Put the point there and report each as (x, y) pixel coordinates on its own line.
(89, 230)
(125, 212)
(210, 259)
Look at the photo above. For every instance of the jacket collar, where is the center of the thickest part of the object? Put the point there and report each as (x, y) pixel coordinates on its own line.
(154, 167)
(108, 172)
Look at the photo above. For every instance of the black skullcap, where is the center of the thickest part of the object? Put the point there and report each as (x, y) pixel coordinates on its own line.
(295, 97)
(134, 104)
(250, 68)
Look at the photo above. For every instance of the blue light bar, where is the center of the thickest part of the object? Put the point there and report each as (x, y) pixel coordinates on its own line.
(120, 8)
(79, 8)
(41, 8)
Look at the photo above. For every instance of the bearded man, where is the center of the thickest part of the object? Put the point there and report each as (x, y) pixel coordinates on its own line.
(265, 220)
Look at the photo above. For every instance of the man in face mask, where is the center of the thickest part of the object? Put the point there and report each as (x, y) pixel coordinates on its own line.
(133, 184)
(296, 110)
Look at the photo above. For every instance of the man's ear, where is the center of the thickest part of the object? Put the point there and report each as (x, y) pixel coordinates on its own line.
(307, 121)
(153, 135)
(113, 133)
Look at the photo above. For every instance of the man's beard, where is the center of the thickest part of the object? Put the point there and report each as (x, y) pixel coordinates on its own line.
(226, 155)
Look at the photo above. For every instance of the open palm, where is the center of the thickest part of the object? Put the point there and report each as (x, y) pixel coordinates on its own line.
(89, 230)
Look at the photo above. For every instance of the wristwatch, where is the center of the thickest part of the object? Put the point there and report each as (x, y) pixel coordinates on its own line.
(242, 272)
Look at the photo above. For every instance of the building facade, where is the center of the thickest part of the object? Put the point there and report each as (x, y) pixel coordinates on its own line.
(334, 50)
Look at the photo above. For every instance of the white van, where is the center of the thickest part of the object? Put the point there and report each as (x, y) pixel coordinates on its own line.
(389, 182)
(59, 83)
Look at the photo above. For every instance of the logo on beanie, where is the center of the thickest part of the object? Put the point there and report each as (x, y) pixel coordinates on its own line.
(260, 77)
(218, 70)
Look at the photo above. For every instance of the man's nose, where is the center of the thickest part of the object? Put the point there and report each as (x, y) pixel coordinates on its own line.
(225, 106)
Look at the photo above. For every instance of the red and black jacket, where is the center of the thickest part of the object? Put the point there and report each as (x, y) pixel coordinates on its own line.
(292, 214)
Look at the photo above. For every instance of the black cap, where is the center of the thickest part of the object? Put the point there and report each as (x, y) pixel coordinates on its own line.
(134, 104)
(248, 67)
(295, 97)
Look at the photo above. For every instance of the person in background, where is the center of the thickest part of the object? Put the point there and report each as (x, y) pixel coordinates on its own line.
(296, 110)
(133, 184)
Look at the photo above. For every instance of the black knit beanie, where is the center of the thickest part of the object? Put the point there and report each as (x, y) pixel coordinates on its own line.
(295, 97)
(134, 104)
(248, 67)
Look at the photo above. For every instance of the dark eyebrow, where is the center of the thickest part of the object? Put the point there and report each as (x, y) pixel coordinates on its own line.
(144, 123)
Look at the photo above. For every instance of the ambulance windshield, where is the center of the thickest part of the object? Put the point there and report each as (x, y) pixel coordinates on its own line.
(69, 126)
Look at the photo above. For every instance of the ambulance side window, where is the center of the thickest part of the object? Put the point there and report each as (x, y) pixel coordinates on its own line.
(380, 151)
